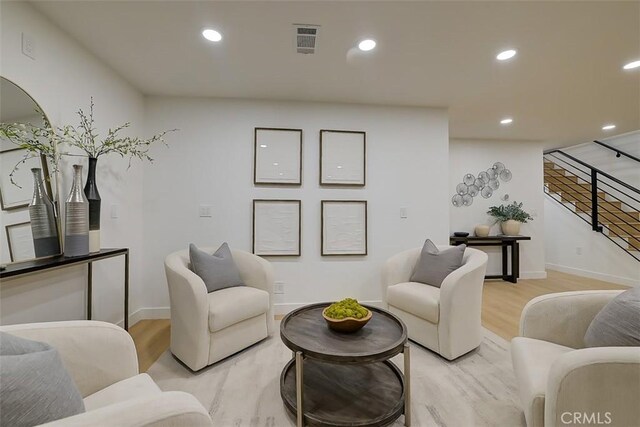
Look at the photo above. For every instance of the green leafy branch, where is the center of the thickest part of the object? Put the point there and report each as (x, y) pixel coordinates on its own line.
(513, 211)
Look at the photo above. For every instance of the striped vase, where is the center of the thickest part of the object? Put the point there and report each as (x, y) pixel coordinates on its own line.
(44, 228)
(76, 234)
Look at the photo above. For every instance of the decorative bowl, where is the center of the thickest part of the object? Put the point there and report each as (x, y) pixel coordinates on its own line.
(348, 324)
(460, 233)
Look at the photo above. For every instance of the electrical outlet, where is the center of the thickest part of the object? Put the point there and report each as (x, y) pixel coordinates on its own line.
(578, 250)
(205, 211)
(403, 213)
(28, 46)
(278, 288)
(114, 212)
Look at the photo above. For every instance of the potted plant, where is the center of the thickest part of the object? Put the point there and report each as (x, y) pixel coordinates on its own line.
(510, 217)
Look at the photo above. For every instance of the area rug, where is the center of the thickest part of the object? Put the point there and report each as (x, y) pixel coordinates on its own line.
(477, 389)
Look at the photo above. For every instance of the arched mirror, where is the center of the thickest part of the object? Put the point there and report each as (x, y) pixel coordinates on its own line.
(27, 232)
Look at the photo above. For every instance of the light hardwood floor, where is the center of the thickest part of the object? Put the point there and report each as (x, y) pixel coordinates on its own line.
(502, 304)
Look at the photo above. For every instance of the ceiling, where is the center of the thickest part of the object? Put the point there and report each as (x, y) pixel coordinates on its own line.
(565, 83)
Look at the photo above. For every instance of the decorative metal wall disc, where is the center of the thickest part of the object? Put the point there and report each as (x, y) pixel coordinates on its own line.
(498, 167)
(469, 179)
(462, 189)
(505, 175)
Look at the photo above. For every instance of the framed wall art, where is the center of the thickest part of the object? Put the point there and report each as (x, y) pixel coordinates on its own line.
(20, 241)
(12, 196)
(344, 227)
(277, 227)
(343, 157)
(277, 156)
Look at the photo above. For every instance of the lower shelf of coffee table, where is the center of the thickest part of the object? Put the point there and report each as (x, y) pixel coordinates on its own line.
(370, 395)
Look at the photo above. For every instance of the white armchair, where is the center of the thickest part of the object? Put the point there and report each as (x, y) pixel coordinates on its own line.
(446, 319)
(101, 359)
(562, 383)
(207, 327)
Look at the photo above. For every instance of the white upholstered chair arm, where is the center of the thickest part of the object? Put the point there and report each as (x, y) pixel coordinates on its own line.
(398, 269)
(563, 318)
(189, 310)
(97, 354)
(461, 303)
(597, 380)
(257, 273)
(169, 409)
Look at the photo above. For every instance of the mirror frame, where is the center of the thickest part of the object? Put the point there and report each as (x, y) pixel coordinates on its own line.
(47, 180)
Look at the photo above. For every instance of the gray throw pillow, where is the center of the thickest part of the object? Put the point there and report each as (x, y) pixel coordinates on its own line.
(434, 265)
(217, 271)
(618, 323)
(35, 386)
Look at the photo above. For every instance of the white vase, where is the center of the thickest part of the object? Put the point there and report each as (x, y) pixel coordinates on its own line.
(511, 227)
(482, 230)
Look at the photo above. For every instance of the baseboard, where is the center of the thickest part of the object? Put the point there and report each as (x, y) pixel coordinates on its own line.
(147, 313)
(285, 308)
(533, 275)
(625, 281)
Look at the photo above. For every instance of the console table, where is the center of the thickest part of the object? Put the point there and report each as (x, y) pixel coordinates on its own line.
(504, 242)
(41, 265)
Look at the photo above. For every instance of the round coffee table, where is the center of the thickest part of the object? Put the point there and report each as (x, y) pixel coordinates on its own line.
(345, 379)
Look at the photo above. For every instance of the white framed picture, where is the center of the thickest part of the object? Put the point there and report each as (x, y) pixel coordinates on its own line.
(16, 196)
(277, 227)
(277, 156)
(343, 157)
(20, 241)
(344, 227)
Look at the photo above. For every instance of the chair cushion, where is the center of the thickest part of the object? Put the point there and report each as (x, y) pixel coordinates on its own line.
(232, 305)
(35, 387)
(416, 298)
(217, 271)
(435, 265)
(618, 323)
(532, 360)
(139, 386)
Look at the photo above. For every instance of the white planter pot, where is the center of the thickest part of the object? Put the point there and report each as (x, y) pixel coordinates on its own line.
(482, 230)
(511, 227)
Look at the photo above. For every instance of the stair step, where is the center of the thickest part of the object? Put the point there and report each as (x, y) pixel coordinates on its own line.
(609, 206)
(623, 228)
(570, 188)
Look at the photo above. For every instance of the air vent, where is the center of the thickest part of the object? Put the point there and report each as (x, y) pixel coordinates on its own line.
(306, 38)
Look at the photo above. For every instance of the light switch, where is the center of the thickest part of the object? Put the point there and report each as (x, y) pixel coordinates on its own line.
(205, 211)
(114, 211)
(403, 212)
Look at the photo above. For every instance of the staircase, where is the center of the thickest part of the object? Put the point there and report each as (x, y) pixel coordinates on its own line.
(608, 205)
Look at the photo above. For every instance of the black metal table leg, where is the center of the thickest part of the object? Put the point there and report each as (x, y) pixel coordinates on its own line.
(126, 291)
(89, 289)
(515, 261)
(505, 273)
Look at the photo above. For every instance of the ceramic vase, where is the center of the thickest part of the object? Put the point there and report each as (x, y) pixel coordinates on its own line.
(482, 230)
(46, 240)
(93, 196)
(76, 235)
(510, 227)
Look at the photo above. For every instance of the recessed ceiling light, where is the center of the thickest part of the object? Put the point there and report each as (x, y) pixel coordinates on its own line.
(263, 145)
(506, 121)
(275, 164)
(211, 35)
(608, 127)
(366, 45)
(632, 65)
(507, 54)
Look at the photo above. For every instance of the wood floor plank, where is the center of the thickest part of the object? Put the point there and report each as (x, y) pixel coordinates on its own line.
(502, 304)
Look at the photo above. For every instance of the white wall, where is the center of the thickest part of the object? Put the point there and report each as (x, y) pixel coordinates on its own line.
(211, 160)
(524, 159)
(61, 79)
(571, 245)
